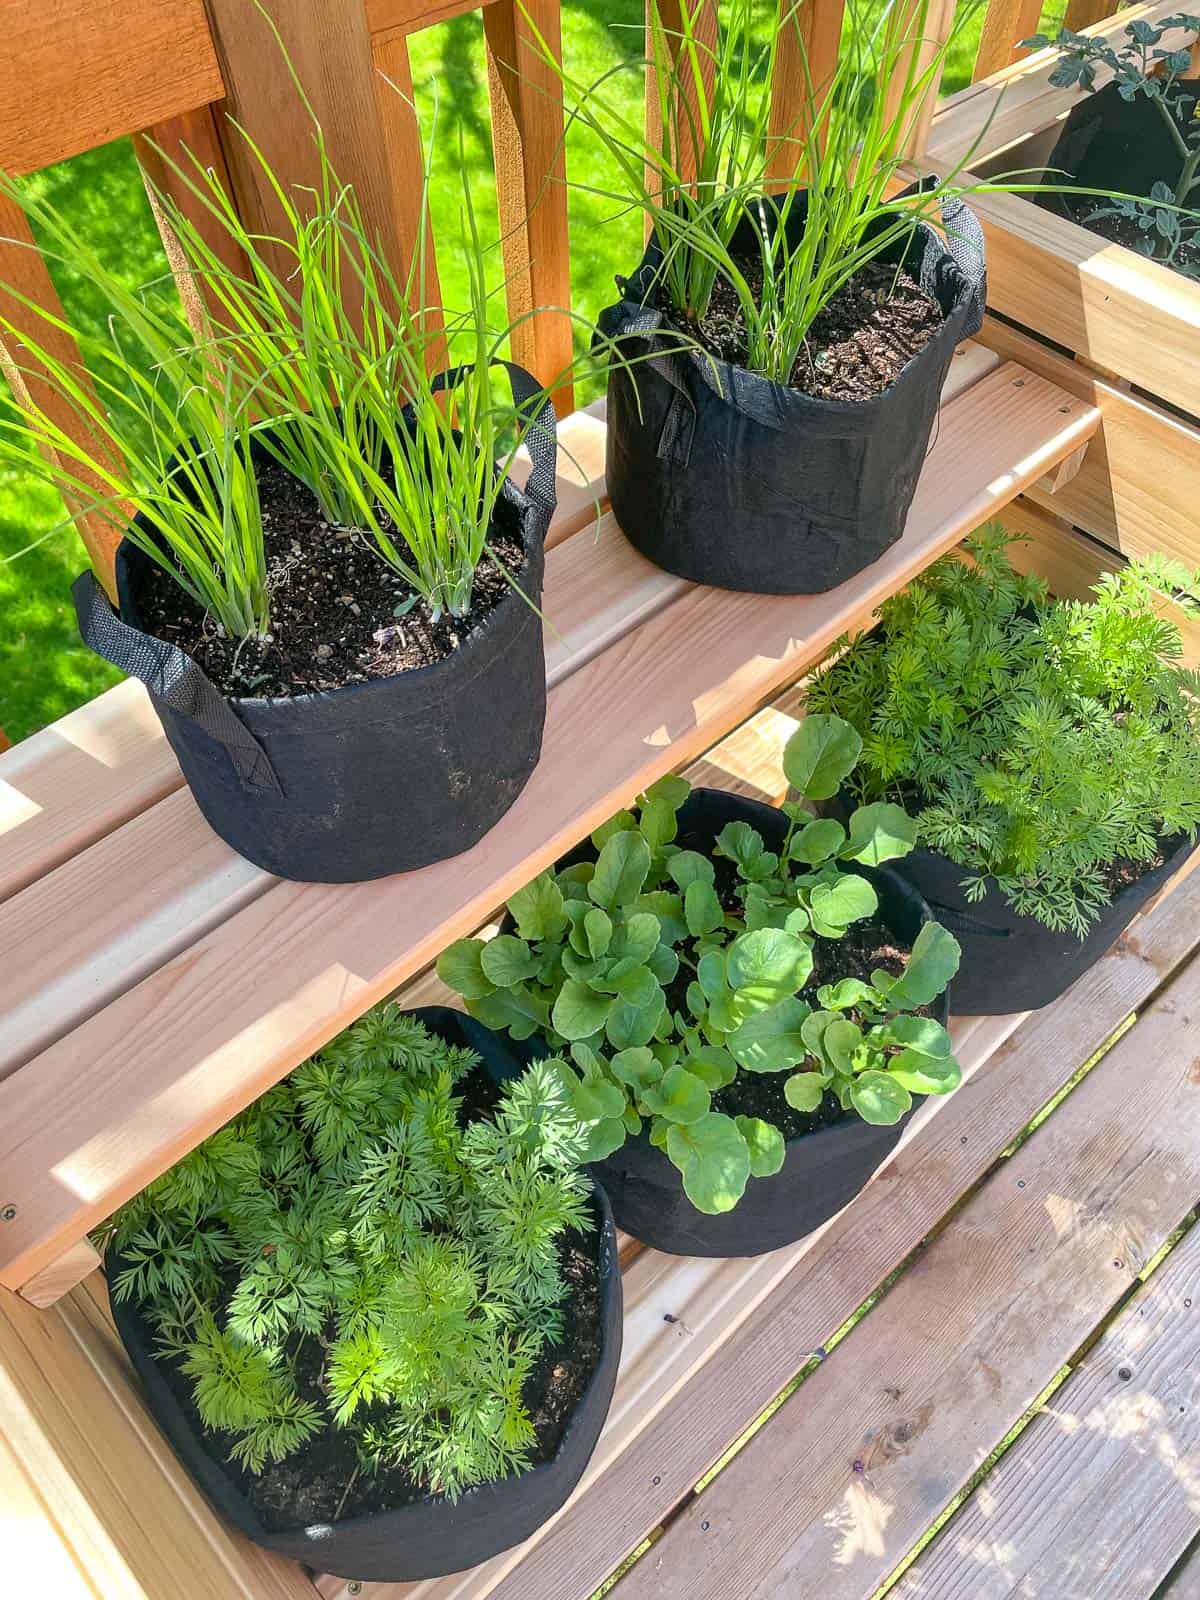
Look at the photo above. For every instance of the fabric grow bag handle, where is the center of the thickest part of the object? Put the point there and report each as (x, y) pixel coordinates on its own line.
(170, 674)
(964, 245)
(541, 435)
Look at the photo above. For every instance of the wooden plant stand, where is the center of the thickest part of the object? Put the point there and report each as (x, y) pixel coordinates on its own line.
(1111, 326)
(152, 983)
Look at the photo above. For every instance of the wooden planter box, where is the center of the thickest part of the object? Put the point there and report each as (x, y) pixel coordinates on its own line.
(1101, 321)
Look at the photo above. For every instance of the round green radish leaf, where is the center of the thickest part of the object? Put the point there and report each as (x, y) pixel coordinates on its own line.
(714, 1160)
(804, 1091)
(878, 1098)
(765, 1144)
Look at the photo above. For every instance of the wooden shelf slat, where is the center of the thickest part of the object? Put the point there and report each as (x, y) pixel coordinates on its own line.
(172, 1059)
(1120, 1440)
(840, 1483)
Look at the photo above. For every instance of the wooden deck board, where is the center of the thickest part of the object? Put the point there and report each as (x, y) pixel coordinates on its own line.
(173, 1058)
(949, 1148)
(841, 1482)
(1100, 1495)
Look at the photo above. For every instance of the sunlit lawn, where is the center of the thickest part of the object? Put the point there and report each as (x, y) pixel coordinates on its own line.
(44, 670)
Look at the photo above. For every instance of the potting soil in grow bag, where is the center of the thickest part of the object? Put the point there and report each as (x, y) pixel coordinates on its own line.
(1116, 146)
(830, 1154)
(409, 765)
(391, 1533)
(1012, 962)
(725, 477)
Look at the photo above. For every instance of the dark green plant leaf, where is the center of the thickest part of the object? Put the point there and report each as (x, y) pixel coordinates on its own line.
(689, 866)
(678, 1095)
(579, 1012)
(878, 833)
(507, 961)
(932, 964)
(804, 1091)
(771, 1040)
(817, 841)
(460, 968)
(701, 908)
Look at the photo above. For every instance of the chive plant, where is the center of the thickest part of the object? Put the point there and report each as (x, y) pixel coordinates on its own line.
(716, 160)
(318, 352)
(161, 431)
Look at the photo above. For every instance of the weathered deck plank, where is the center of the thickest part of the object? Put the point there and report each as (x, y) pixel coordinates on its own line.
(841, 1482)
(1100, 1495)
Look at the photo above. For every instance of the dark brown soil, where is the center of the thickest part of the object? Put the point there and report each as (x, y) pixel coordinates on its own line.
(1124, 230)
(858, 345)
(333, 606)
(866, 947)
(322, 1482)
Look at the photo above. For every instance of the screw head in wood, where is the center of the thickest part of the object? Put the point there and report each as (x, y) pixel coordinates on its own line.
(7, 1213)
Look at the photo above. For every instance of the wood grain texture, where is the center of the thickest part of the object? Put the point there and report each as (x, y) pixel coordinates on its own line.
(395, 18)
(925, 38)
(61, 1276)
(1083, 14)
(114, 1499)
(173, 1058)
(1184, 1584)
(1005, 24)
(1015, 1068)
(77, 780)
(531, 186)
(190, 143)
(106, 762)
(851, 1471)
(76, 73)
(23, 277)
(329, 48)
(805, 63)
(395, 100)
(1097, 1499)
(1099, 300)
(705, 25)
(1138, 488)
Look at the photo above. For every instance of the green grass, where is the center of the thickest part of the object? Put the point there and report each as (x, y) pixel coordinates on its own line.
(44, 670)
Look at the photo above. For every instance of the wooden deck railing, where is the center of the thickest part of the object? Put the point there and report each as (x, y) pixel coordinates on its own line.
(69, 82)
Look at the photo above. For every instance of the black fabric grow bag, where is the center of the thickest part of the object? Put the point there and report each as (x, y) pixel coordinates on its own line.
(430, 1537)
(822, 1171)
(1011, 962)
(372, 778)
(727, 478)
(1115, 146)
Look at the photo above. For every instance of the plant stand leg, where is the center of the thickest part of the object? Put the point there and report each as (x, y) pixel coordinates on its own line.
(61, 1276)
